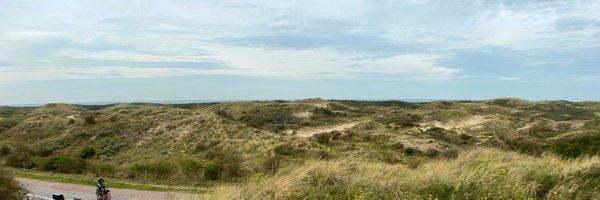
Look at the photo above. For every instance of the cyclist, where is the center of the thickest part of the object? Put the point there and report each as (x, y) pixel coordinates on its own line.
(100, 186)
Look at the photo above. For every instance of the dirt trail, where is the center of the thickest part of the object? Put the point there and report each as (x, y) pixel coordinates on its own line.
(70, 191)
(309, 132)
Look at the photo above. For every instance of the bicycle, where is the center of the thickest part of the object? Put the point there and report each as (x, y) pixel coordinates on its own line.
(104, 195)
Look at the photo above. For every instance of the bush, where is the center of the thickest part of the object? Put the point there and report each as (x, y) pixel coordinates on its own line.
(191, 169)
(212, 171)
(89, 120)
(110, 146)
(9, 188)
(87, 151)
(20, 157)
(156, 169)
(64, 164)
(410, 151)
(4, 150)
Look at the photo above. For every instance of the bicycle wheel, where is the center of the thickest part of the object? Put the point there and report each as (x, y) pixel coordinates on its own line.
(107, 196)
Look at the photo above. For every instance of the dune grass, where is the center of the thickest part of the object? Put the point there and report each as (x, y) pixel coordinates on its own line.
(481, 173)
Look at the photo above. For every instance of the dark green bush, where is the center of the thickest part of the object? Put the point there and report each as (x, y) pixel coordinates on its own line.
(87, 151)
(9, 188)
(4, 150)
(410, 151)
(64, 164)
(212, 171)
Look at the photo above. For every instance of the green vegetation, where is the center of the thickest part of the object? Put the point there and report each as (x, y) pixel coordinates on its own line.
(9, 188)
(341, 143)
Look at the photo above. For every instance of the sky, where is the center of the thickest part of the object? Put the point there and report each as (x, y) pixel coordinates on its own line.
(105, 51)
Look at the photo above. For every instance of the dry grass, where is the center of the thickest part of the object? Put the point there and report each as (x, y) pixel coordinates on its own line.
(475, 174)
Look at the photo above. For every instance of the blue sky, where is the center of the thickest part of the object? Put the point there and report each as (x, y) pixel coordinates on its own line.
(91, 51)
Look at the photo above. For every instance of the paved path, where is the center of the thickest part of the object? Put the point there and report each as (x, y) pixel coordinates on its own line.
(70, 191)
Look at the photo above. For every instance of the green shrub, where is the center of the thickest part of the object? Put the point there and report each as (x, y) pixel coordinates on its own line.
(212, 171)
(64, 164)
(21, 157)
(110, 146)
(87, 151)
(190, 168)
(9, 188)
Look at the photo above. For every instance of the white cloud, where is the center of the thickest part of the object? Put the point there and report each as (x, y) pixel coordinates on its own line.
(508, 78)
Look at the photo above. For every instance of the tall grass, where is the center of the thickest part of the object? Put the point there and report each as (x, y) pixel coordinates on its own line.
(475, 174)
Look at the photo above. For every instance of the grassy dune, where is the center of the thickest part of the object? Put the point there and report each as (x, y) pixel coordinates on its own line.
(480, 173)
(319, 149)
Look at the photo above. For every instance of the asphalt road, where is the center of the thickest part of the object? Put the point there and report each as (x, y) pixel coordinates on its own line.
(70, 191)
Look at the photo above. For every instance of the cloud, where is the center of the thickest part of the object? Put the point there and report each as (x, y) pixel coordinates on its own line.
(13, 75)
(406, 40)
(508, 78)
